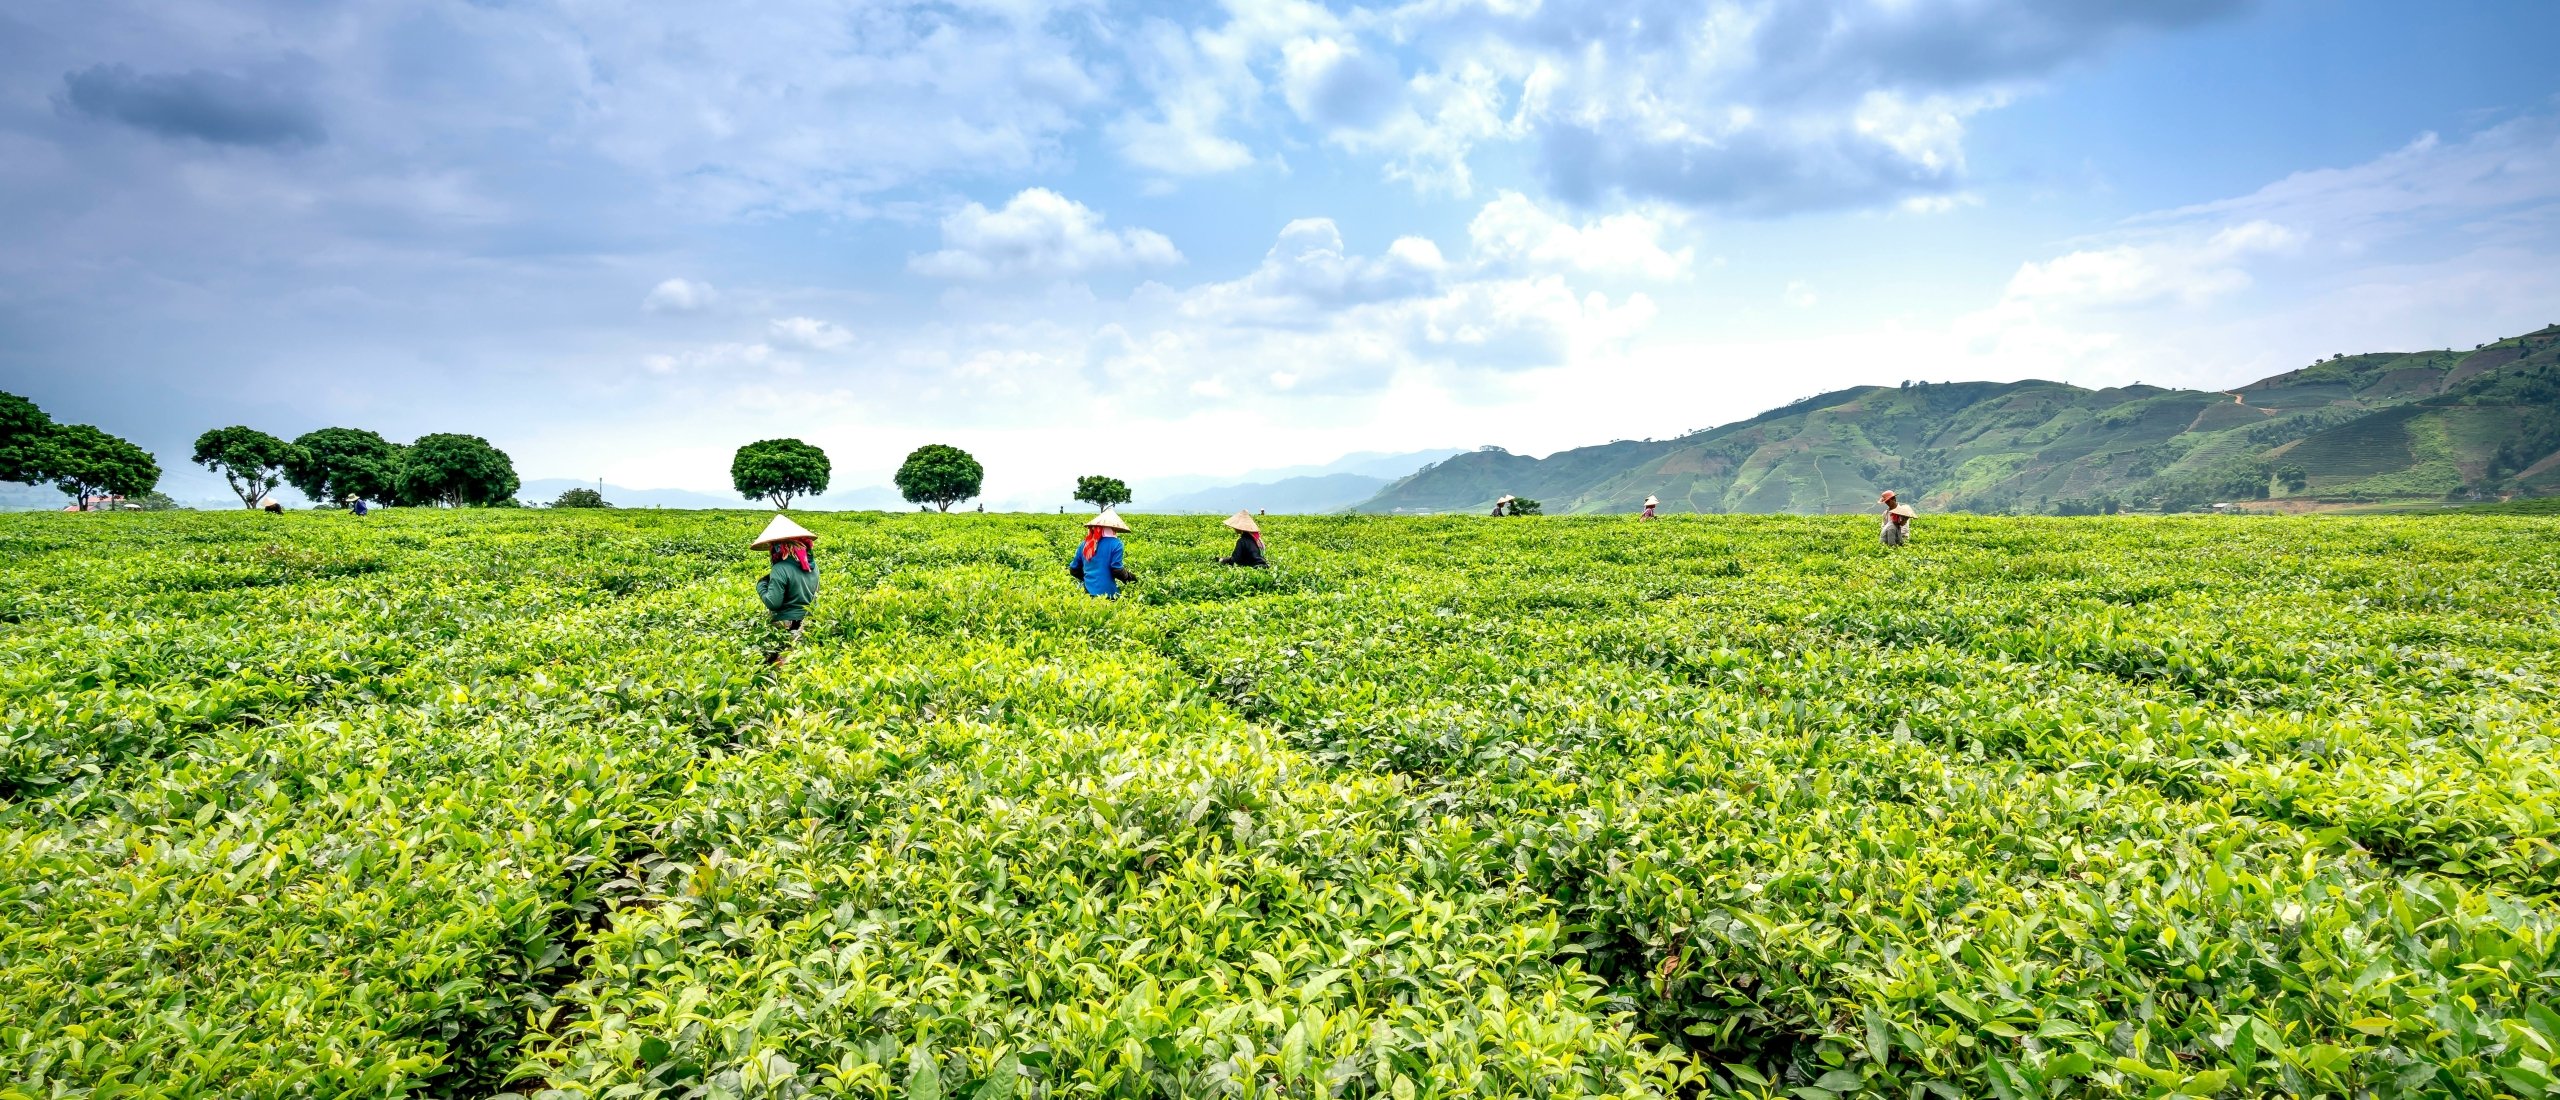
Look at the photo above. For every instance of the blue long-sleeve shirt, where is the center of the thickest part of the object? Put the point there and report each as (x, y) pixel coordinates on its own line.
(1102, 574)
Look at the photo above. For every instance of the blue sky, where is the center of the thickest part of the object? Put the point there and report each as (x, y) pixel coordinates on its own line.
(1158, 239)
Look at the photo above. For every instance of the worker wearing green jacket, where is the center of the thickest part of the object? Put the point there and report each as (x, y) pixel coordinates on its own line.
(792, 583)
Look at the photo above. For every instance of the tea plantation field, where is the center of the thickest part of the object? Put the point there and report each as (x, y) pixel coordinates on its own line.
(470, 804)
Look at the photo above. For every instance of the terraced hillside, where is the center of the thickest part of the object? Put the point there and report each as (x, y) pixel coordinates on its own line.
(470, 804)
(2391, 426)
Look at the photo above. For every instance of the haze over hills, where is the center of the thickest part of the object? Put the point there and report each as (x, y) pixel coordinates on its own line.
(1331, 487)
(2428, 425)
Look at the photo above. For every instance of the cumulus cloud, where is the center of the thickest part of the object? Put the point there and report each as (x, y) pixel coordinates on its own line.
(1201, 87)
(2133, 274)
(1038, 233)
(212, 107)
(680, 296)
(808, 334)
(1308, 273)
(1336, 84)
(1514, 229)
(1749, 106)
(1315, 317)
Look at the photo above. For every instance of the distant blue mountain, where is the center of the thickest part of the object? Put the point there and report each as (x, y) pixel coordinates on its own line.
(1330, 487)
(1294, 495)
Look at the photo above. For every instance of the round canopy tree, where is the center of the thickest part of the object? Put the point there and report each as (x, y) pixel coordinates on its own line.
(455, 470)
(343, 463)
(581, 497)
(24, 430)
(1102, 492)
(939, 475)
(779, 470)
(250, 461)
(85, 462)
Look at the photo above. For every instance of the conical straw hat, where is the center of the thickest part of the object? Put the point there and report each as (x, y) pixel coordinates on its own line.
(1109, 518)
(781, 528)
(1243, 521)
(1650, 502)
(1904, 510)
(1505, 498)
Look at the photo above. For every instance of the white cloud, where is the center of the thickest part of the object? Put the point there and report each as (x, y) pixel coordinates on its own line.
(2184, 270)
(1038, 233)
(808, 334)
(717, 357)
(1742, 105)
(1513, 229)
(680, 296)
(1799, 294)
(2425, 246)
(1200, 84)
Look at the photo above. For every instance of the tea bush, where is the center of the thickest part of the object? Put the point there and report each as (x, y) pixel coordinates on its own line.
(479, 803)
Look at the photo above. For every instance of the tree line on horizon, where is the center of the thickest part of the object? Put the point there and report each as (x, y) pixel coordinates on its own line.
(334, 465)
(327, 465)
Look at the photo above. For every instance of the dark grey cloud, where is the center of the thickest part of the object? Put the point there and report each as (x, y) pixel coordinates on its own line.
(1752, 172)
(1805, 47)
(1356, 92)
(206, 106)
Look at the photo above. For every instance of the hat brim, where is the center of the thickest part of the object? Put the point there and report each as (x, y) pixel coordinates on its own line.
(782, 529)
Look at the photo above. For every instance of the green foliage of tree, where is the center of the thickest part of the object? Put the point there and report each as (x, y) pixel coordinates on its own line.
(250, 461)
(333, 464)
(779, 470)
(157, 501)
(2293, 477)
(940, 475)
(455, 470)
(1522, 506)
(84, 462)
(1102, 492)
(581, 498)
(24, 431)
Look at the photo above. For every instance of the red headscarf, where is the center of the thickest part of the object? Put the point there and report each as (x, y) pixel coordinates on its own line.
(1093, 536)
(795, 550)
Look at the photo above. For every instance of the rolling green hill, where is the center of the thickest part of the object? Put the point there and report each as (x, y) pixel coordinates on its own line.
(2387, 426)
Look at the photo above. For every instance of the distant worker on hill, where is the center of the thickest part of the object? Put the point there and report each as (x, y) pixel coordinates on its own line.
(1102, 562)
(356, 505)
(1649, 505)
(1248, 542)
(1502, 504)
(1897, 519)
(791, 584)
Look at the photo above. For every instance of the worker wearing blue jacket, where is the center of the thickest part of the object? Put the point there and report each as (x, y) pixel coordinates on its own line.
(1102, 562)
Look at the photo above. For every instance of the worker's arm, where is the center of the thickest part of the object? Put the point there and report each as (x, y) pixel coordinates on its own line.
(775, 594)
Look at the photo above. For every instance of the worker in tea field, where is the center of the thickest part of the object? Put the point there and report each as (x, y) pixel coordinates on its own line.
(1649, 505)
(1102, 562)
(1502, 503)
(791, 583)
(1248, 542)
(1897, 519)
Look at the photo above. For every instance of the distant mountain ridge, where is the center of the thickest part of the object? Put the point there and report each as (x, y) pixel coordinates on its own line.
(1332, 487)
(1291, 495)
(2429, 425)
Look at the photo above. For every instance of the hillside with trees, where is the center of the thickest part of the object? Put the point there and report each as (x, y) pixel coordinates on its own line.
(2392, 426)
